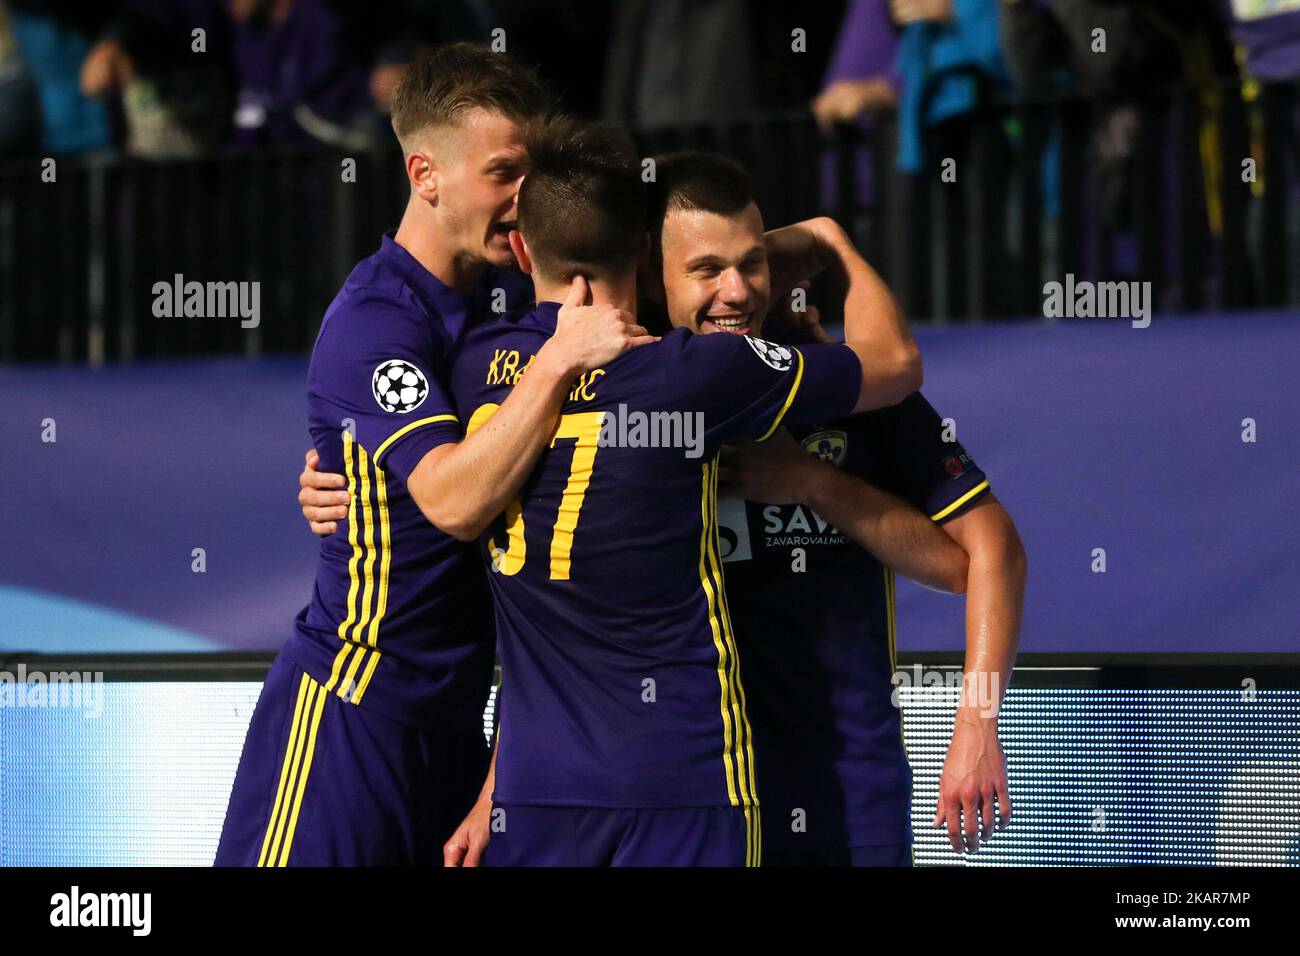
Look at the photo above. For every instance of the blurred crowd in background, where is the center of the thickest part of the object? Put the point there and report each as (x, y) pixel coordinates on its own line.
(124, 75)
(1140, 140)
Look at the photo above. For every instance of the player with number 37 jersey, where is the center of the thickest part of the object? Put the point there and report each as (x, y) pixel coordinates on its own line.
(621, 682)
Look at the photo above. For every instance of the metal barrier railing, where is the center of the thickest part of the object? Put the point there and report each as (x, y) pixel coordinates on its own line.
(1032, 200)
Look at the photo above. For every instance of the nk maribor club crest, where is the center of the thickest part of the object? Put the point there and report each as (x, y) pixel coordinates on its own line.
(828, 445)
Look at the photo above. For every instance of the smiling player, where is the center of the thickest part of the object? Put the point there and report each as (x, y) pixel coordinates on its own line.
(811, 557)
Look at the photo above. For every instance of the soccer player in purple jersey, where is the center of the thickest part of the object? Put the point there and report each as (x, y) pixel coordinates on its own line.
(854, 807)
(832, 511)
(366, 745)
(624, 732)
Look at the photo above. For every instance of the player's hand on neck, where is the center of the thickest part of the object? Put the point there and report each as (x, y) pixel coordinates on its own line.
(557, 283)
(600, 291)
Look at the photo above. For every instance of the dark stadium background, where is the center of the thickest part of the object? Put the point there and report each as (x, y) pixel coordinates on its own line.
(1173, 159)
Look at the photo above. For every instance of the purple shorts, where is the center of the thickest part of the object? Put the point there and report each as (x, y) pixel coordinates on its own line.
(323, 782)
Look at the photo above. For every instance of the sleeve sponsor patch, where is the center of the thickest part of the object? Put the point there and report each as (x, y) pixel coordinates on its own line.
(957, 465)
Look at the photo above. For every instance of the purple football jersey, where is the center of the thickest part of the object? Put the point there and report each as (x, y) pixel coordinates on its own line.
(621, 680)
(399, 619)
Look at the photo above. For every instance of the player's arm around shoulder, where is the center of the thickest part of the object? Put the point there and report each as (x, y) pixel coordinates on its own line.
(895, 532)
(462, 487)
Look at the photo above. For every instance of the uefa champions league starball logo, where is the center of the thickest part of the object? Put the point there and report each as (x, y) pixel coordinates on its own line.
(399, 386)
(777, 356)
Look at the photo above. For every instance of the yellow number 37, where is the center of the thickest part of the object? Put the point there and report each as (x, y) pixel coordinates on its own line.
(583, 426)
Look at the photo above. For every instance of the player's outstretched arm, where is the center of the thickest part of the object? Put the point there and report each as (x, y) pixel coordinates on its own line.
(779, 471)
(461, 487)
(975, 771)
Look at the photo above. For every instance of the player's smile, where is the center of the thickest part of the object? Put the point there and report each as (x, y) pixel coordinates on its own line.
(715, 271)
(737, 323)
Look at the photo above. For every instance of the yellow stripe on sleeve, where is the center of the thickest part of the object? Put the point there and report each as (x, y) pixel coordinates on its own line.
(406, 429)
(982, 486)
(789, 399)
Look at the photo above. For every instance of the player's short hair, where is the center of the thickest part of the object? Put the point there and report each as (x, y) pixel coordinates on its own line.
(443, 84)
(582, 205)
(697, 179)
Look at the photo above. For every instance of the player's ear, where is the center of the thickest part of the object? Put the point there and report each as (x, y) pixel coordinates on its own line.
(520, 249)
(423, 174)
